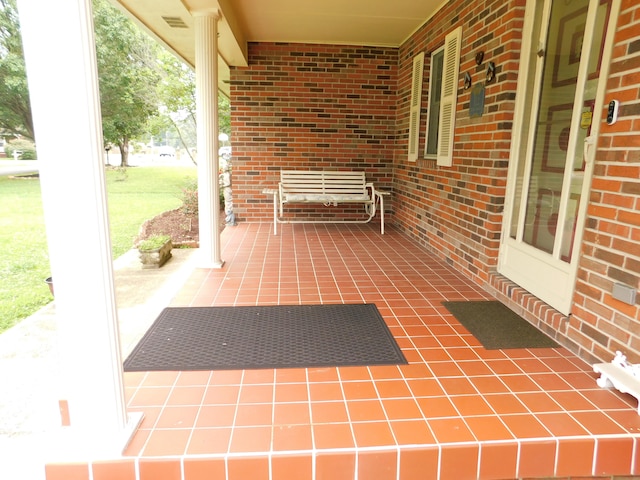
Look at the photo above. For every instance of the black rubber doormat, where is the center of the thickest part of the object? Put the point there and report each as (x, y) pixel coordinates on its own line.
(231, 338)
(498, 327)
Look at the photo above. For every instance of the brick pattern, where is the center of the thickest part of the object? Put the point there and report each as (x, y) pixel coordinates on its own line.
(457, 211)
(310, 107)
(600, 324)
(321, 106)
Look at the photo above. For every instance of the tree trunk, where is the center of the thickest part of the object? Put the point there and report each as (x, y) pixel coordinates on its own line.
(123, 145)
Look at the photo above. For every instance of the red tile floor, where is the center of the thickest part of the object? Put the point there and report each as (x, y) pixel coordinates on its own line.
(456, 411)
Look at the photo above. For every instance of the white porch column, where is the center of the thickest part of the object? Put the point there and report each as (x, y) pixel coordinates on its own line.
(63, 83)
(206, 29)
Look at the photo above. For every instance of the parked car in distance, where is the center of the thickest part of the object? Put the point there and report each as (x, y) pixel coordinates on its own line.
(167, 151)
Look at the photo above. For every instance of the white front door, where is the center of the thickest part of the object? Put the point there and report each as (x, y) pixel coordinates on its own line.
(560, 93)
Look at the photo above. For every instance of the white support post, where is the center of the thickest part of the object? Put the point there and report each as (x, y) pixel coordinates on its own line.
(61, 66)
(206, 29)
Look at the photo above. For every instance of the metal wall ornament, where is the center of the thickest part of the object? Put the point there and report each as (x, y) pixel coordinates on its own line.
(491, 72)
(479, 58)
(467, 81)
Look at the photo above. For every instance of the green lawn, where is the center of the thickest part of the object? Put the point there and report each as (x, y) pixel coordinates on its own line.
(134, 197)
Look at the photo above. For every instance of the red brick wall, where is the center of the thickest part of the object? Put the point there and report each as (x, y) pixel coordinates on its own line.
(457, 211)
(600, 324)
(310, 107)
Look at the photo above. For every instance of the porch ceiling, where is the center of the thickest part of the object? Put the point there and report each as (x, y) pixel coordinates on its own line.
(354, 22)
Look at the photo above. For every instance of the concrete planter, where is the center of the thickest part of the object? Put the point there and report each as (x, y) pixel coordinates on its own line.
(157, 257)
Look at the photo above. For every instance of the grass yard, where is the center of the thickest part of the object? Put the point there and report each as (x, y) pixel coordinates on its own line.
(135, 196)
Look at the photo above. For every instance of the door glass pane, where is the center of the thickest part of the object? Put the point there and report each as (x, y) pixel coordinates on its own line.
(553, 124)
(589, 90)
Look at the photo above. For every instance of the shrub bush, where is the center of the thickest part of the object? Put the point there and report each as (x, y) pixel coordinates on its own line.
(27, 148)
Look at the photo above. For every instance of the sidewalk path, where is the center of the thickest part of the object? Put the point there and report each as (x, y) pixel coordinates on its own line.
(29, 375)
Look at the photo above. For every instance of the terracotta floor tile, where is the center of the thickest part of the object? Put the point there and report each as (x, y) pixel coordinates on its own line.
(291, 392)
(122, 470)
(381, 465)
(291, 375)
(445, 369)
(251, 439)
(334, 435)
(615, 455)
(498, 460)
(471, 405)
(450, 430)
(435, 407)
(412, 432)
(428, 387)
(504, 404)
(392, 389)
(488, 428)
(539, 402)
(242, 468)
(67, 472)
(177, 417)
(292, 437)
(365, 410)
(291, 414)
(348, 374)
(419, 463)
(295, 466)
(537, 459)
(258, 377)
(209, 441)
(457, 386)
(256, 393)
(372, 434)
(216, 416)
(503, 367)
(193, 379)
(561, 424)
(254, 414)
(167, 442)
(575, 457)
(520, 383)
(597, 423)
(359, 391)
(402, 409)
(321, 392)
(474, 368)
(525, 426)
(453, 389)
(159, 468)
(222, 394)
(458, 462)
(487, 385)
(336, 465)
(550, 381)
(329, 412)
(204, 468)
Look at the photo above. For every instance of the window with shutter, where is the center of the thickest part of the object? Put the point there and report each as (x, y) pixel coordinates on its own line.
(443, 96)
(449, 97)
(414, 111)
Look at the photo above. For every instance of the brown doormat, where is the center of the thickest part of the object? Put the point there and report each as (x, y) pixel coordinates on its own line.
(277, 336)
(497, 327)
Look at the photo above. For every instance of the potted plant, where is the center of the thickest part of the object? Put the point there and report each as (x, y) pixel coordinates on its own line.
(155, 251)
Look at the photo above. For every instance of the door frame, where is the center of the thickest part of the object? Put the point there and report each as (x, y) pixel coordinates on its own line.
(538, 272)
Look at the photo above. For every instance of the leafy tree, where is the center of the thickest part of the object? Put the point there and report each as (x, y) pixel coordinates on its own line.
(15, 109)
(128, 77)
(177, 92)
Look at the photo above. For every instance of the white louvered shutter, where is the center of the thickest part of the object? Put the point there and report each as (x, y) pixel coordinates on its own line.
(414, 111)
(450, 69)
